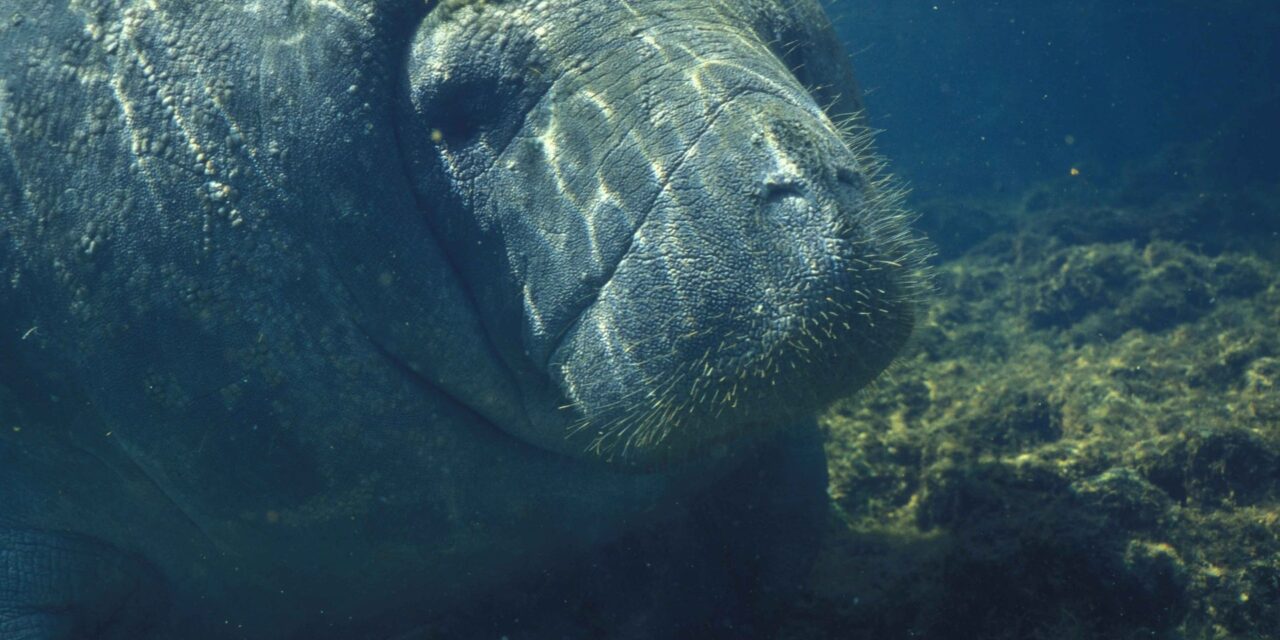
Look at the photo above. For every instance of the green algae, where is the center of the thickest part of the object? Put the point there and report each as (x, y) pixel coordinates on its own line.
(1083, 440)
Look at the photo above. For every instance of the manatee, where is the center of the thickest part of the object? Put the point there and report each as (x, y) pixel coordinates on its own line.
(335, 318)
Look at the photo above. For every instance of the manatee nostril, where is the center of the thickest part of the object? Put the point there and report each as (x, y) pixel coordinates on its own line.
(777, 190)
(849, 177)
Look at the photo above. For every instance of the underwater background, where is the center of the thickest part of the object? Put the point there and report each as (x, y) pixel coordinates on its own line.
(1083, 438)
(1083, 441)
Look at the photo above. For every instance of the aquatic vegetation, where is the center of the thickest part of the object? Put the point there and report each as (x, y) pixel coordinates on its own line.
(1085, 441)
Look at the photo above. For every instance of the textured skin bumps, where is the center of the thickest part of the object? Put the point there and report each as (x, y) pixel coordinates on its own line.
(325, 316)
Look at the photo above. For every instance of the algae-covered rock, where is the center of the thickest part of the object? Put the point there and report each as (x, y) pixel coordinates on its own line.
(1084, 442)
(1213, 468)
(1111, 288)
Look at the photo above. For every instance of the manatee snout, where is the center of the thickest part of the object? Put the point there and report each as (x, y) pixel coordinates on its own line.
(767, 280)
(690, 249)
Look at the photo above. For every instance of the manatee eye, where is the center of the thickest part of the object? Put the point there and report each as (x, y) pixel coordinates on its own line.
(469, 89)
(469, 113)
(456, 112)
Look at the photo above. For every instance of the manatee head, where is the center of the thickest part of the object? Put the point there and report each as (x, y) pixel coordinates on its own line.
(672, 243)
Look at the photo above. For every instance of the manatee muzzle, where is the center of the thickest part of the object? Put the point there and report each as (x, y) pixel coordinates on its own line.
(764, 283)
(670, 243)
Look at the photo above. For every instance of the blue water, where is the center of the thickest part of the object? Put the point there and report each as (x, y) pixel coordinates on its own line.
(978, 97)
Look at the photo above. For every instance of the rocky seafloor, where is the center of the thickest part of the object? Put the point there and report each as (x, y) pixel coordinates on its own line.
(1083, 440)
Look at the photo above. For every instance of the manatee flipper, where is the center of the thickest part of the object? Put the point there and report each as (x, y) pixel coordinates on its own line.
(756, 537)
(725, 566)
(720, 567)
(61, 586)
(772, 515)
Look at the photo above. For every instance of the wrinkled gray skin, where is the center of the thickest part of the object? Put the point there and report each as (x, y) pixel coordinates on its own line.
(317, 312)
